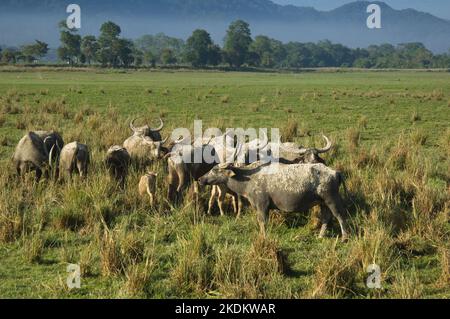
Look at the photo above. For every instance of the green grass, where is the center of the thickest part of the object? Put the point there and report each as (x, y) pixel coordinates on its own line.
(392, 135)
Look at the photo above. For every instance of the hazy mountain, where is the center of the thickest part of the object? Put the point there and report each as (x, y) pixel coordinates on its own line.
(439, 8)
(25, 20)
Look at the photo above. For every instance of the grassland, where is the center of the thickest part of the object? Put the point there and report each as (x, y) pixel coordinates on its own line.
(392, 138)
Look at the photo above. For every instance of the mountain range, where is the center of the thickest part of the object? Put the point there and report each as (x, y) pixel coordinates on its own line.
(23, 21)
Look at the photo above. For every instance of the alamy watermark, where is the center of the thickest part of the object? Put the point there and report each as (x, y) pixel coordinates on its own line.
(235, 145)
(374, 19)
(74, 277)
(74, 19)
(374, 279)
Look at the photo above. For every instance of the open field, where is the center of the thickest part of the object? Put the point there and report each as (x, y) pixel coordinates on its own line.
(392, 136)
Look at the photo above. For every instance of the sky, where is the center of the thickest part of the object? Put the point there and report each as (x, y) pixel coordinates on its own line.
(439, 8)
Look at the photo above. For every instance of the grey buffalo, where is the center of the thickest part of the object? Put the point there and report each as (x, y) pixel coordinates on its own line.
(32, 154)
(146, 144)
(74, 157)
(117, 162)
(53, 140)
(184, 169)
(288, 188)
(291, 152)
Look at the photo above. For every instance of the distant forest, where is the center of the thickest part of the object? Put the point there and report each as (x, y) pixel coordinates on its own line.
(239, 50)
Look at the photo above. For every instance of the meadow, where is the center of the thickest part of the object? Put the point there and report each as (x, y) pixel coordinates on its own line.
(392, 141)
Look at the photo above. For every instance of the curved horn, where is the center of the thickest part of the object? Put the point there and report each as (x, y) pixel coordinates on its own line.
(50, 156)
(181, 139)
(160, 127)
(169, 155)
(57, 145)
(326, 148)
(132, 127)
(45, 145)
(236, 152)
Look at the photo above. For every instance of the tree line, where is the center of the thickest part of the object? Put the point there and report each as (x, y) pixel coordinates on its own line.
(239, 49)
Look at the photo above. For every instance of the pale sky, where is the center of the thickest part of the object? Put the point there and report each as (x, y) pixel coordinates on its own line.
(440, 8)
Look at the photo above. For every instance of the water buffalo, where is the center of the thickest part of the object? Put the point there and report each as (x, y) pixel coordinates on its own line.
(53, 140)
(291, 152)
(288, 188)
(143, 150)
(74, 157)
(117, 162)
(33, 154)
(228, 151)
(184, 169)
(147, 186)
(146, 144)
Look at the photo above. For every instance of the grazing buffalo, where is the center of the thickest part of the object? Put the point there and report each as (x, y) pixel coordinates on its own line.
(143, 150)
(288, 188)
(74, 157)
(183, 168)
(146, 144)
(290, 152)
(117, 162)
(225, 145)
(32, 154)
(53, 140)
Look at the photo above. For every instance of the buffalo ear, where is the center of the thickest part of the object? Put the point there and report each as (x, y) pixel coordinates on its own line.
(230, 173)
(224, 166)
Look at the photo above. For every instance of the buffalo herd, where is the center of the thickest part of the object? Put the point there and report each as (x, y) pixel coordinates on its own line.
(294, 180)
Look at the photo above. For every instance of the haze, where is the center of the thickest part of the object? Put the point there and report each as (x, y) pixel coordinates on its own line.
(439, 8)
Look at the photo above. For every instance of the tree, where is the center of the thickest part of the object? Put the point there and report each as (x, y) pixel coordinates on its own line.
(114, 51)
(237, 43)
(167, 57)
(34, 51)
(153, 46)
(149, 58)
(109, 46)
(89, 48)
(198, 48)
(297, 55)
(70, 49)
(138, 56)
(10, 56)
(123, 50)
(266, 52)
(214, 54)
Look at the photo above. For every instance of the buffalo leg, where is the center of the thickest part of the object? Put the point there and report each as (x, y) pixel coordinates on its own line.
(152, 200)
(262, 216)
(212, 199)
(335, 205)
(196, 195)
(19, 174)
(325, 218)
(235, 205)
(239, 205)
(38, 174)
(221, 200)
